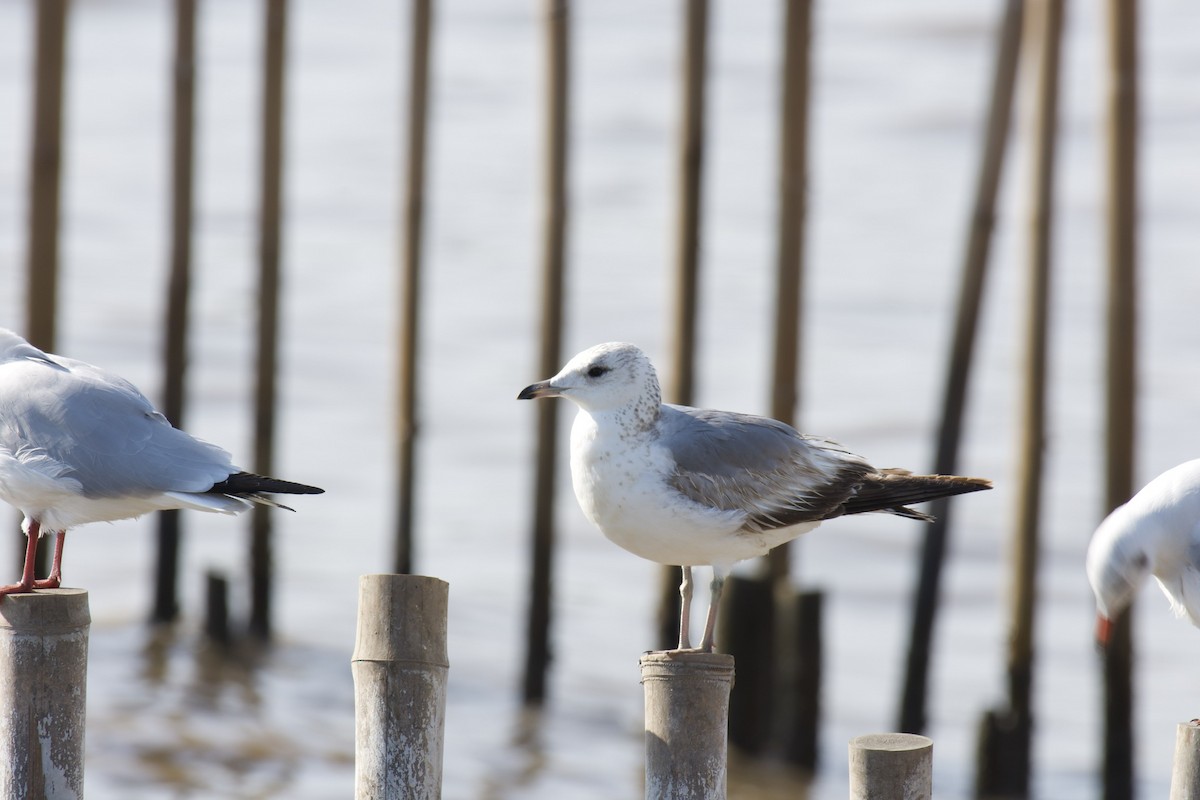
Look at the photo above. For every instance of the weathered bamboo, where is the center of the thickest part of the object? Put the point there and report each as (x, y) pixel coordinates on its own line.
(270, 224)
(1121, 375)
(974, 269)
(891, 766)
(1011, 728)
(400, 670)
(1185, 773)
(45, 181)
(687, 718)
(681, 375)
(43, 692)
(166, 595)
(746, 631)
(557, 33)
(802, 742)
(216, 608)
(410, 280)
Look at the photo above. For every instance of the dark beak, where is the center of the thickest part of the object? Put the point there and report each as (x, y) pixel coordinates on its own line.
(536, 390)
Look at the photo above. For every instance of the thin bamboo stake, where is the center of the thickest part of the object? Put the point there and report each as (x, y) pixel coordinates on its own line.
(681, 385)
(975, 262)
(270, 223)
(1007, 741)
(166, 597)
(1121, 375)
(414, 214)
(45, 180)
(557, 33)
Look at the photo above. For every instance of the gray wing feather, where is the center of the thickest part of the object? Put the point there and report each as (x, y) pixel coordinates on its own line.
(761, 466)
(99, 426)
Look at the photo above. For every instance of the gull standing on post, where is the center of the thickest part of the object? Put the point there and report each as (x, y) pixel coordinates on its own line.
(1156, 533)
(687, 486)
(79, 444)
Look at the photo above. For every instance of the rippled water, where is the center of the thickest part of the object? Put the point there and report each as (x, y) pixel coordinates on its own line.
(897, 109)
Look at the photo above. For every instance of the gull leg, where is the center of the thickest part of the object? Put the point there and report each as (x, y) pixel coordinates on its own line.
(710, 624)
(54, 580)
(685, 609)
(26, 582)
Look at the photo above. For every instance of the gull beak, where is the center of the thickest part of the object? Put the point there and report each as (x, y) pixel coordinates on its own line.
(1104, 627)
(536, 390)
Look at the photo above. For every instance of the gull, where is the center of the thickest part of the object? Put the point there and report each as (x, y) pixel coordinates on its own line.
(1156, 533)
(688, 486)
(79, 444)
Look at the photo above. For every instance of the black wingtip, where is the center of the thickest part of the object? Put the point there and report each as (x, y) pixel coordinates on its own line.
(247, 483)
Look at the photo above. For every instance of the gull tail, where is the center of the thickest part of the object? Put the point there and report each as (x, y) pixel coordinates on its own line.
(892, 490)
(248, 486)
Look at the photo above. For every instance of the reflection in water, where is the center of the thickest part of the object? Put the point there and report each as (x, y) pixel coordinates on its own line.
(179, 716)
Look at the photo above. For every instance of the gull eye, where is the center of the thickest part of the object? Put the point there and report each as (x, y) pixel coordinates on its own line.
(597, 371)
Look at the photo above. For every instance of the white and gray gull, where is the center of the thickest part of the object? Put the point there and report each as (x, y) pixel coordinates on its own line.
(687, 486)
(1156, 533)
(79, 444)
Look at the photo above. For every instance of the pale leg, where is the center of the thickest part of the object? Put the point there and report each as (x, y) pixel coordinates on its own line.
(685, 609)
(714, 602)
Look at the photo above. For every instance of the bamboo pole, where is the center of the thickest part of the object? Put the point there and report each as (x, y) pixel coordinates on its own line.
(1007, 732)
(1185, 772)
(682, 376)
(974, 269)
(166, 596)
(270, 224)
(557, 33)
(1121, 375)
(891, 765)
(414, 215)
(43, 691)
(400, 671)
(687, 717)
(45, 182)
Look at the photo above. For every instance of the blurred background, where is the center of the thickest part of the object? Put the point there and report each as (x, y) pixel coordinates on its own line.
(899, 96)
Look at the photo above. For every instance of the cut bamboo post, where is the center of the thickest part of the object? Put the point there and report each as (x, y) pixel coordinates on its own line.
(891, 766)
(1185, 775)
(687, 723)
(400, 669)
(43, 690)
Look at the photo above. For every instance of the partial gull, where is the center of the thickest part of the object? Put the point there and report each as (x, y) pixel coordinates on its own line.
(688, 486)
(1156, 533)
(79, 444)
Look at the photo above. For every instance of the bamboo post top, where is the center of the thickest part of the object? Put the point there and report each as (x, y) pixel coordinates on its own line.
(887, 765)
(402, 618)
(45, 611)
(659, 662)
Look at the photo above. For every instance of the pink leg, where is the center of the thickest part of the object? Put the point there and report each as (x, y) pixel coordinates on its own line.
(55, 578)
(26, 584)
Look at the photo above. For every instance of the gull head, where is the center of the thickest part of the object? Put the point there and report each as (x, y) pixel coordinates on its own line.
(1118, 563)
(607, 377)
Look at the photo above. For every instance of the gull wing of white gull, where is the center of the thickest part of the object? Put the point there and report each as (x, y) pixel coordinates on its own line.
(689, 486)
(79, 444)
(1156, 533)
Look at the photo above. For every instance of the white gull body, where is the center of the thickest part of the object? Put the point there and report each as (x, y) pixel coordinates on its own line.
(687, 486)
(1156, 533)
(79, 444)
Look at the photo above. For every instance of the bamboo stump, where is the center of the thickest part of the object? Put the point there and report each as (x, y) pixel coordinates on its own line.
(886, 766)
(43, 689)
(1185, 776)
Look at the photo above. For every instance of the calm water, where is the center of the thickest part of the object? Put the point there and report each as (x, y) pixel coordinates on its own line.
(897, 108)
